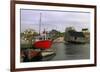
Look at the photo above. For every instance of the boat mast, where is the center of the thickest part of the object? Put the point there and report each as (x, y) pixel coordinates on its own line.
(40, 24)
(40, 27)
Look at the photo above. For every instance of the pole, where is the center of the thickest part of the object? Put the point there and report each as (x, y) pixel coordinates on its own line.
(40, 24)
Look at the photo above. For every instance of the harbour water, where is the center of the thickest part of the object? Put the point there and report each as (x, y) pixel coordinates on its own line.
(69, 52)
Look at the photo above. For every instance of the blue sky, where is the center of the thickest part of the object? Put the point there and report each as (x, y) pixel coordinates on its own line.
(58, 20)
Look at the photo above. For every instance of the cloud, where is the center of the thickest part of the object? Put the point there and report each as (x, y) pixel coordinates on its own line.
(54, 19)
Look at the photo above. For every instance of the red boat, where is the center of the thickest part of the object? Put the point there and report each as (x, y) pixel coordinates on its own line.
(42, 41)
(43, 44)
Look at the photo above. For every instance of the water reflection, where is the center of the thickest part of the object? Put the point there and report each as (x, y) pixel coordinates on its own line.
(70, 52)
(62, 52)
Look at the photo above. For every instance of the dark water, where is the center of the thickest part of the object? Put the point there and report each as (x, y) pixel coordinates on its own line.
(70, 52)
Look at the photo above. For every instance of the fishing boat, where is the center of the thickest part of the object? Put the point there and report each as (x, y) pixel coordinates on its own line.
(41, 47)
(42, 41)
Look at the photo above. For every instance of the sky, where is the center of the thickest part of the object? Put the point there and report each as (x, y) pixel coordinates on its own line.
(50, 19)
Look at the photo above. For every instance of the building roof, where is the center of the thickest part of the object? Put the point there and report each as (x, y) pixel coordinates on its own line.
(76, 34)
(85, 29)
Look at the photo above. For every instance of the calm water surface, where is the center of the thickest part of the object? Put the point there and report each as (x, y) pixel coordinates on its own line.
(70, 52)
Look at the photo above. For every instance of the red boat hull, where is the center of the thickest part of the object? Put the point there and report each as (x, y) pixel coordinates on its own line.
(44, 44)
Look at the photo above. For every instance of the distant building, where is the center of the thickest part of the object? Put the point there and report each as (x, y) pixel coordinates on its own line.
(66, 35)
(76, 37)
(86, 33)
(27, 38)
(29, 31)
